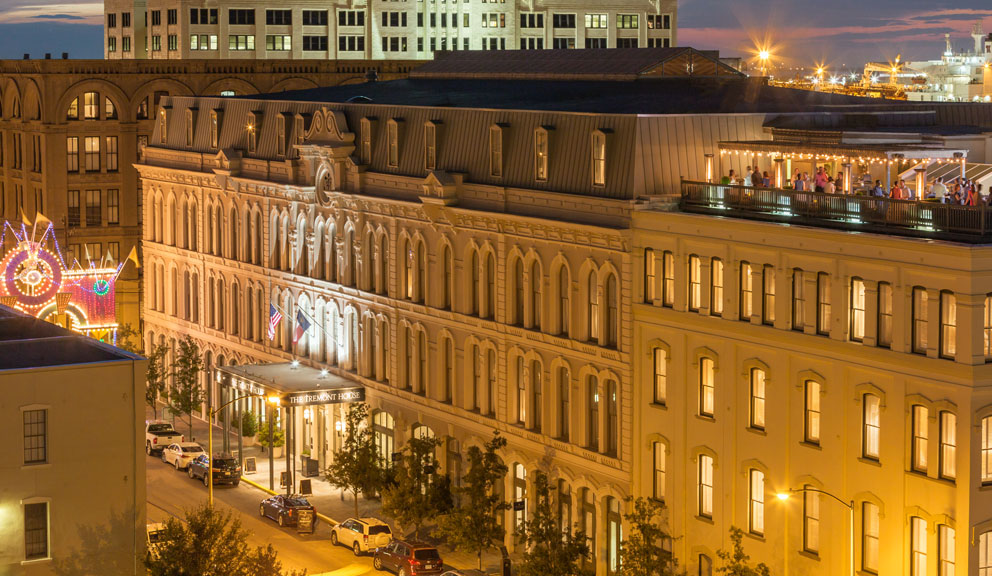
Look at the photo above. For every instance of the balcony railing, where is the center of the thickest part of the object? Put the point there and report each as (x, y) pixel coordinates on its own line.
(841, 211)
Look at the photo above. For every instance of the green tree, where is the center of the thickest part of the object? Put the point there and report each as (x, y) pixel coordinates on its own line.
(186, 394)
(552, 550)
(211, 541)
(129, 339)
(279, 437)
(249, 424)
(736, 562)
(155, 376)
(357, 468)
(417, 492)
(474, 525)
(641, 553)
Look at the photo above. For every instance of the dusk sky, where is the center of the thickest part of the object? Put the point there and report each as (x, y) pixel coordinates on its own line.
(837, 32)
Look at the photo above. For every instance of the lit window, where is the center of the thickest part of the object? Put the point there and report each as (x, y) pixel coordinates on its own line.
(872, 406)
(392, 135)
(598, 159)
(668, 279)
(768, 295)
(857, 309)
(798, 301)
(945, 551)
(541, 155)
(948, 445)
(918, 537)
(593, 308)
(884, 314)
(716, 287)
(430, 146)
(695, 283)
(660, 375)
(811, 521)
(985, 554)
(650, 276)
(659, 471)
(747, 292)
(920, 298)
(919, 448)
(756, 508)
(987, 450)
(705, 495)
(948, 325)
(706, 387)
(91, 106)
(757, 398)
(869, 537)
(812, 409)
(496, 151)
(823, 303)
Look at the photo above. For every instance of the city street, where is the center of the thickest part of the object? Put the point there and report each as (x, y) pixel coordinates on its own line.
(170, 492)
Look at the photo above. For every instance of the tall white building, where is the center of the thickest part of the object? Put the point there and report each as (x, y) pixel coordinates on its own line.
(376, 29)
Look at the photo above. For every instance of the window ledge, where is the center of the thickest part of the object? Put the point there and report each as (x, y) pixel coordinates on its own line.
(869, 461)
(36, 561)
(812, 445)
(757, 431)
(705, 418)
(755, 536)
(809, 554)
(38, 466)
(659, 405)
(706, 519)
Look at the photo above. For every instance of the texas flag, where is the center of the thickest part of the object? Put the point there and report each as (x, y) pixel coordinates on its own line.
(302, 325)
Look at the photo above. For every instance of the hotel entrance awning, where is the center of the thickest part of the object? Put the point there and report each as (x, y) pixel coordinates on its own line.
(294, 383)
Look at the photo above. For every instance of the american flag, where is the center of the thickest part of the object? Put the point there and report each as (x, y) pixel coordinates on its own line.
(274, 317)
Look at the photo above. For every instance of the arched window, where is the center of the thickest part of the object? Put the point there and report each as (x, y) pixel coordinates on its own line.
(447, 274)
(592, 308)
(707, 387)
(383, 286)
(474, 287)
(612, 312)
(235, 328)
(536, 396)
(612, 416)
(349, 265)
(592, 413)
(372, 270)
(422, 363)
(331, 254)
(356, 257)
(409, 359)
(448, 370)
(564, 304)
(757, 407)
(535, 295)
(650, 276)
(421, 260)
(491, 382)
(490, 286)
(382, 433)
(233, 252)
(409, 266)
(518, 292)
(477, 376)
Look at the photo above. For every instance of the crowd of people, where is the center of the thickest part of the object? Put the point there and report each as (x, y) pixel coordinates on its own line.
(960, 190)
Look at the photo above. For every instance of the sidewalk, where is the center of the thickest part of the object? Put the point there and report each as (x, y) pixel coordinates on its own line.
(328, 500)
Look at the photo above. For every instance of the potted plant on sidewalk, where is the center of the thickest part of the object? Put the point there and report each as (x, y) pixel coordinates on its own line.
(249, 427)
(278, 441)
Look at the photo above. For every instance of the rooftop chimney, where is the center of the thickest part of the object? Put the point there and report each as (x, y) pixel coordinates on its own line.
(48, 55)
(27, 56)
(65, 55)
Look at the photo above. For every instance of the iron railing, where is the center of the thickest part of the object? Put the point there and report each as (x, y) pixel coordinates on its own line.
(842, 211)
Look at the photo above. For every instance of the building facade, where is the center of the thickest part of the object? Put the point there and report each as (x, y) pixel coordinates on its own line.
(71, 131)
(488, 255)
(379, 29)
(63, 394)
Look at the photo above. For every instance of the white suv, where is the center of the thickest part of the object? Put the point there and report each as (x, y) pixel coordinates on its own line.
(361, 534)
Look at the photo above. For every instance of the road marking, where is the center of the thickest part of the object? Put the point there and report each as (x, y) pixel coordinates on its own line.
(349, 570)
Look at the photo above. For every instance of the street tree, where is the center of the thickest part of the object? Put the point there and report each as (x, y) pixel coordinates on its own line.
(736, 562)
(155, 375)
(417, 492)
(129, 339)
(641, 552)
(474, 526)
(552, 549)
(357, 467)
(186, 394)
(211, 541)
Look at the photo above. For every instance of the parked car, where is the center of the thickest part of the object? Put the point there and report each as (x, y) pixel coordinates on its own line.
(225, 469)
(361, 534)
(285, 509)
(155, 533)
(158, 435)
(181, 454)
(409, 559)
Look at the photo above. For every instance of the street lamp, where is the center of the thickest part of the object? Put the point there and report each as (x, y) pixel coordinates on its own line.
(783, 496)
(274, 400)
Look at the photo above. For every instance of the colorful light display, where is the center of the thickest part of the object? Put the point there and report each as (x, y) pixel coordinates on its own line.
(35, 279)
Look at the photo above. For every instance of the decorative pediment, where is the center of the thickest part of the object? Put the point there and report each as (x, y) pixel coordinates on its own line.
(329, 128)
(228, 163)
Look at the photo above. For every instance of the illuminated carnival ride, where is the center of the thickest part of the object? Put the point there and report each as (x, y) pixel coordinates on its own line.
(36, 279)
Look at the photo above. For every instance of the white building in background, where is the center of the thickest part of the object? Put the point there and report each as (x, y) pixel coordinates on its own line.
(72, 463)
(958, 76)
(376, 29)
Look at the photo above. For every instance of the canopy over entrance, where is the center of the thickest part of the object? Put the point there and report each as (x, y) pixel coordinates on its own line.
(294, 383)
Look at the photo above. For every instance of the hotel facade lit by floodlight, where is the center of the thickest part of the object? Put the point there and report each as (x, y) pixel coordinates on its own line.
(489, 252)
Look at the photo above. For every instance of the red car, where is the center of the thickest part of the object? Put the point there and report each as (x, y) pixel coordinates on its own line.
(285, 509)
(409, 559)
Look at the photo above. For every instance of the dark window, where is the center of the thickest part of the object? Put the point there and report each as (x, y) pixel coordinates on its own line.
(35, 436)
(203, 16)
(156, 17)
(172, 16)
(36, 531)
(241, 16)
(73, 208)
(314, 18)
(111, 20)
(563, 20)
(279, 17)
(314, 43)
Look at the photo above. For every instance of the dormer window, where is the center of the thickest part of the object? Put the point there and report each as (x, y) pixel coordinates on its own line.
(281, 136)
(430, 146)
(365, 136)
(298, 130)
(163, 125)
(215, 118)
(252, 129)
(190, 121)
(598, 158)
(541, 155)
(393, 136)
(496, 151)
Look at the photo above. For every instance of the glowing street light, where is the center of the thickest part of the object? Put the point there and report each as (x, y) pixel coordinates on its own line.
(784, 495)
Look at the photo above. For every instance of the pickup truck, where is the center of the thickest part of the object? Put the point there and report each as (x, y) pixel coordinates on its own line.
(158, 435)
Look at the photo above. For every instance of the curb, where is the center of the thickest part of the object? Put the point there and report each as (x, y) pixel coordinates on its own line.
(327, 519)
